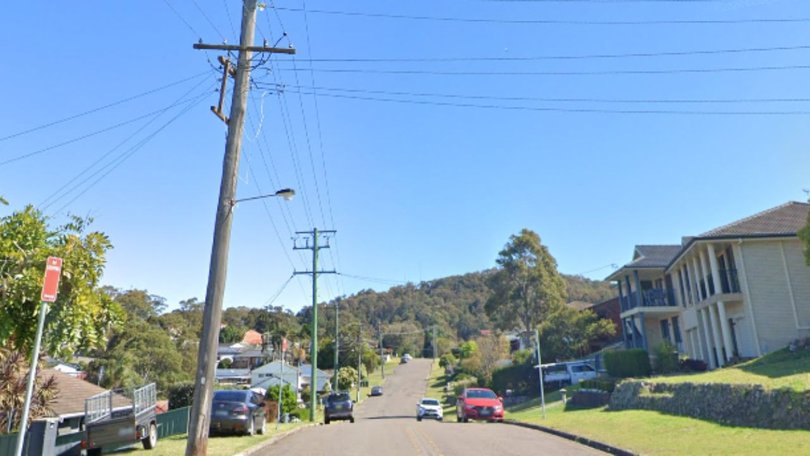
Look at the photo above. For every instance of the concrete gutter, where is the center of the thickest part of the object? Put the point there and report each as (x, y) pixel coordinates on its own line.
(263, 445)
(610, 449)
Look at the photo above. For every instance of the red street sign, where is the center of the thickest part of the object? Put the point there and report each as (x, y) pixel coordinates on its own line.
(50, 286)
(283, 344)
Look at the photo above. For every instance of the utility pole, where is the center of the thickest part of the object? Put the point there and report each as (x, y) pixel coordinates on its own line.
(336, 363)
(435, 349)
(382, 359)
(540, 371)
(313, 375)
(197, 444)
(359, 361)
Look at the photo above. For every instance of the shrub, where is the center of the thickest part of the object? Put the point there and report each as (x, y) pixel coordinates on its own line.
(693, 365)
(180, 395)
(522, 379)
(447, 359)
(290, 402)
(628, 363)
(605, 384)
(666, 358)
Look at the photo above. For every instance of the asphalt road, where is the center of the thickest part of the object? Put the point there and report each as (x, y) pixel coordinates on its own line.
(386, 425)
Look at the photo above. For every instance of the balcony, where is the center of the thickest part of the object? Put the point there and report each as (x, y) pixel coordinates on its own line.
(655, 297)
(728, 281)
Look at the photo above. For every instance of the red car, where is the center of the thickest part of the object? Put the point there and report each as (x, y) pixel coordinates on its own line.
(479, 404)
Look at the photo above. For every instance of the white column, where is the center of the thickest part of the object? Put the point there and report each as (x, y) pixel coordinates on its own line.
(696, 283)
(699, 344)
(718, 343)
(704, 319)
(689, 291)
(739, 261)
(705, 269)
(677, 285)
(718, 288)
(725, 329)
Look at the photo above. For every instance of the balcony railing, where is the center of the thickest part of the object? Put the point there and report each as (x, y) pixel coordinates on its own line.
(728, 281)
(655, 297)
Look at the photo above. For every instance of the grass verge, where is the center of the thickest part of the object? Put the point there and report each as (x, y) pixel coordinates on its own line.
(654, 433)
(217, 445)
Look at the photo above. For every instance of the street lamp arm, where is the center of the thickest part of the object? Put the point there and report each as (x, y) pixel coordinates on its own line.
(286, 193)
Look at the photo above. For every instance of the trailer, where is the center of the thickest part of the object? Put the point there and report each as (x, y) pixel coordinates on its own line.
(107, 427)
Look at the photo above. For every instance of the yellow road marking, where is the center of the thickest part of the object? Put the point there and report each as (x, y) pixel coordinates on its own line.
(433, 445)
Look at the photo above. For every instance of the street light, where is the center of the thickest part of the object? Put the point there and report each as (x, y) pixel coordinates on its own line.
(286, 193)
(199, 418)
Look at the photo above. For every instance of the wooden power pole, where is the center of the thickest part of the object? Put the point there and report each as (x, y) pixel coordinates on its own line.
(212, 315)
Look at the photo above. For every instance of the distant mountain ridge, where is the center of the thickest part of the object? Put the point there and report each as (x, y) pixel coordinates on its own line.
(454, 303)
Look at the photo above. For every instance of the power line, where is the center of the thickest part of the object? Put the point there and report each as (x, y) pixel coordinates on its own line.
(132, 151)
(183, 19)
(570, 110)
(802, 47)
(561, 73)
(70, 141)
(275, 296)
(101, 108)
(374, 279)
(210, 22)
(561, 99)
(553, 21)
(50, 200)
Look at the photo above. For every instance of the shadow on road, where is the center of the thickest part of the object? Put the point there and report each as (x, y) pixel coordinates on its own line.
(390, 417)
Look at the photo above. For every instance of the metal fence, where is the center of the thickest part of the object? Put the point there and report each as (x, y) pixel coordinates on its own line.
(8, 443)
(173, 422)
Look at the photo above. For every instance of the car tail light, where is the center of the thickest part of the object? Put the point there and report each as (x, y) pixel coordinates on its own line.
(241, 410)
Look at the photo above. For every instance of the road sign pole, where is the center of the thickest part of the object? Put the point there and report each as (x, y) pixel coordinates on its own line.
(32, 375)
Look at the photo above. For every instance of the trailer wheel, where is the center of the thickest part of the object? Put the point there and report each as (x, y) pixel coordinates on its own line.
(94, 452)
(150, 441)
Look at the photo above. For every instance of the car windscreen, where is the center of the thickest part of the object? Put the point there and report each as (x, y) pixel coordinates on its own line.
(230, 396)
(430, 402)
(484, 394)
(339, 397)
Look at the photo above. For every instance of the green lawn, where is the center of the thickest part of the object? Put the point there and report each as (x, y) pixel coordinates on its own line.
(217, 445)
(653, 433)
(435, 389)
(780, 369)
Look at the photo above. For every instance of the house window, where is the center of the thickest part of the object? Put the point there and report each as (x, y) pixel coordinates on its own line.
(676, 330)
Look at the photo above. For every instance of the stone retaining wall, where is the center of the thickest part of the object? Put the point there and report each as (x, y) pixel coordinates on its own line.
(738, 405)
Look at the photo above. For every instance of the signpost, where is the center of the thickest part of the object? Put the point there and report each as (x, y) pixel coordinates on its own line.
(50, 287)
(281, 383)
(540, 372)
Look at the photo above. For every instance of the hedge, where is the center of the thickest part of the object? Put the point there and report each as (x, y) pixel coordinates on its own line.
(628, 363)
(180, 395)
(522, 379)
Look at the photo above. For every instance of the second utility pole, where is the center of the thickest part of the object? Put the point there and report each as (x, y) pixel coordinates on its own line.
(197, 442)
(313, 376)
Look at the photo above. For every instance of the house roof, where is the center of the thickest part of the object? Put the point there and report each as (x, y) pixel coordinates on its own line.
(649, 256)
(73, 392)
(580, 305)
(786, 219)
(233, 373)
(252, 337)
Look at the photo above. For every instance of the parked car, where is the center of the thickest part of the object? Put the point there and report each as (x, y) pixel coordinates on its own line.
(479, 404)
(407, 356)
(238, 411)
(404, 360)
(377, 391)
(339, 406)
(429, 408)
(568, 373)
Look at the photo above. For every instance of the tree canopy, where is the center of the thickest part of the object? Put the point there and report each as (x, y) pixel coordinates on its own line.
(804, 235)
(526, 288)
(83, 314)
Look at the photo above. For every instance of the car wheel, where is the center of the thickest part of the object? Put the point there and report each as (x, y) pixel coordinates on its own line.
(150, 440)
(251, 428)
(351, 419)
(418, 418)
(441, 418)
(326, 420)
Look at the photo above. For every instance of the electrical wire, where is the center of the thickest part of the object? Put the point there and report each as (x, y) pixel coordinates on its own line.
(563, 72)
(210, 22)
(585, 22)
(52, 198)
(373, 279)
(88, 135)
(183, 19)
(573, 110)
(276, 295)
(693, 52)
(564, 99)
(101, 108)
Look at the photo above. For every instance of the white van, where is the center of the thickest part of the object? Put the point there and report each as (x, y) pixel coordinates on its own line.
(568, 373)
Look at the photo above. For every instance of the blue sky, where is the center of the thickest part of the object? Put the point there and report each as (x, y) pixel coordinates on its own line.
(418, 187)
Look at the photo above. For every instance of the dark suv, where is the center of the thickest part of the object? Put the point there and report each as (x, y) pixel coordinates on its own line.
(338, 407)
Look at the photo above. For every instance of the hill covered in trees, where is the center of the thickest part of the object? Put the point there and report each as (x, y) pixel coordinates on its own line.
(455, 304)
